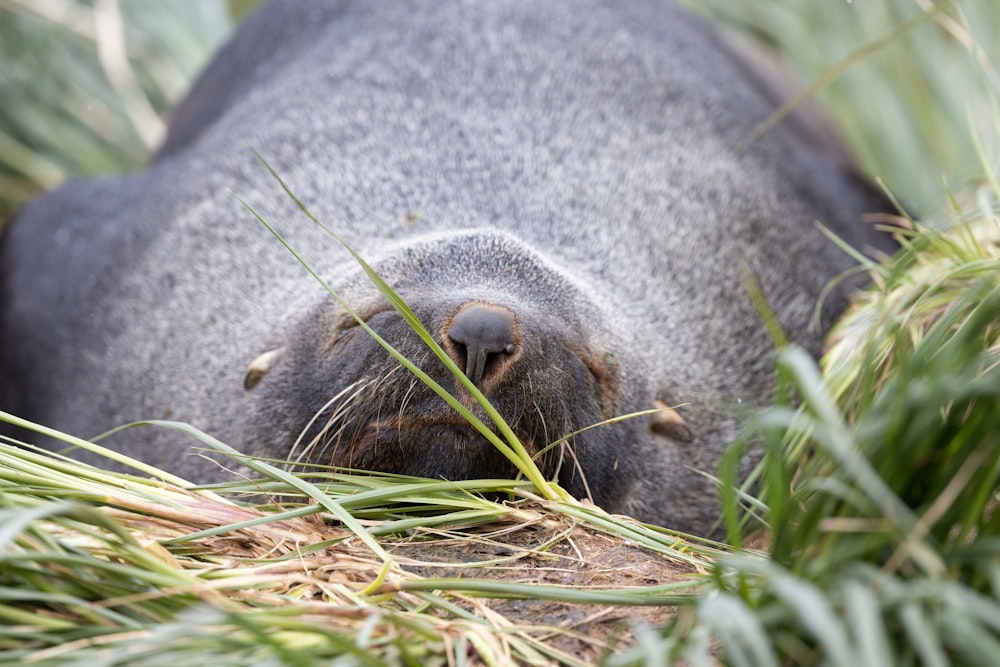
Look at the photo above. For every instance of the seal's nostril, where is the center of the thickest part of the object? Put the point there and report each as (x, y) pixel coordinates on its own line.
(485, 332)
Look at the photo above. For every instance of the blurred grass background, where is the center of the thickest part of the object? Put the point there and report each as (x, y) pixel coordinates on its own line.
(914, 92)
(86, 85)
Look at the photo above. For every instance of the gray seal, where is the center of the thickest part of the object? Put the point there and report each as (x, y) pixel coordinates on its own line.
(557, 189)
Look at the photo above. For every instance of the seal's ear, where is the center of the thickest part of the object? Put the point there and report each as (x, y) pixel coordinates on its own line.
(669, 423)
(260, 366)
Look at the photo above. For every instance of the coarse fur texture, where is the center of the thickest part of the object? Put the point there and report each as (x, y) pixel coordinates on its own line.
(572, 166)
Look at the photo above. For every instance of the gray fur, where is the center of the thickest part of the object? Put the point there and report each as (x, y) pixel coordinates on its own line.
(574, 162)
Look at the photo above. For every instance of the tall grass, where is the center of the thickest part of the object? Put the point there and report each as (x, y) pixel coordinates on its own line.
(877, 532)
(113, 569)
(875, 516)
(86, 86)
(906, 76)
(878, 493)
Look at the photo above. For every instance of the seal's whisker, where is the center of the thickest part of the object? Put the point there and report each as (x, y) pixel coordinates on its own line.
(365, 414)
(341, 402)
(327, 441)
(546, 440)
(407, 397)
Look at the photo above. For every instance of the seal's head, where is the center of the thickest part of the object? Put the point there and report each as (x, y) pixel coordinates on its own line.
(534, 343)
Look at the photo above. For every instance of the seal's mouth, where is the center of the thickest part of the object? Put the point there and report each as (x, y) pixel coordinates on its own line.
(434, 447)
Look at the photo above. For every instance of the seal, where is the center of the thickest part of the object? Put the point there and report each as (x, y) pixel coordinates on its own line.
(559, 192)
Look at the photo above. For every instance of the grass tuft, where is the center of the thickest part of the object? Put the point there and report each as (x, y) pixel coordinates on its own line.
(877, 532)
(120, 569)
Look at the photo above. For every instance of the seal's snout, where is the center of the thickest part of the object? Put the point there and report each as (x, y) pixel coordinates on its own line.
(483, 336)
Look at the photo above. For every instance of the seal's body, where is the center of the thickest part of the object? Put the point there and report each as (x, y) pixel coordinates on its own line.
(556, 190)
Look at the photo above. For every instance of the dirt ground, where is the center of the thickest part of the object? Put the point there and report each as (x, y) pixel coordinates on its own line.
(552, 552)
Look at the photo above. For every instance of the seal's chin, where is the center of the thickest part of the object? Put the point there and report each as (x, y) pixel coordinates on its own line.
(447, 448)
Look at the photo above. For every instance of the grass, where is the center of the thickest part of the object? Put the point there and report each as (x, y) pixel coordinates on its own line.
(878, 494)
(901, 79)
(86, 87)
(105, 568)
(872, 537)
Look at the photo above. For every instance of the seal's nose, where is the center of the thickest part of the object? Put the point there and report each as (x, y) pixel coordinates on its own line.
(485, 334)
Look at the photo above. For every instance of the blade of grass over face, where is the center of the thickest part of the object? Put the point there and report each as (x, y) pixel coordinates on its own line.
(510, 446)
